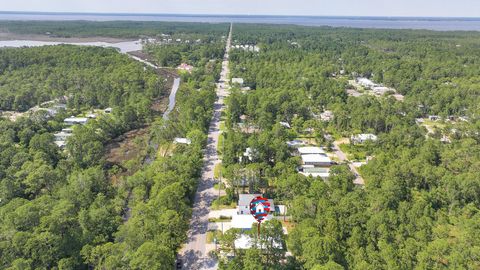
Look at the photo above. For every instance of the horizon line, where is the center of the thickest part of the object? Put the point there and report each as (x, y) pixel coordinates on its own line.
(229, 15)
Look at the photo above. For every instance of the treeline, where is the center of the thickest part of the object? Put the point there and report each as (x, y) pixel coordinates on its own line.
(115, 29)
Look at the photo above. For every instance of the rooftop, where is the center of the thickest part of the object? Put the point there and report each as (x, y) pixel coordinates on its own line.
(245, 221)
(310, 150)
(315, 158)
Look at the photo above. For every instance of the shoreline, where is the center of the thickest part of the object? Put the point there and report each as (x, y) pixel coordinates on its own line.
(7, 36)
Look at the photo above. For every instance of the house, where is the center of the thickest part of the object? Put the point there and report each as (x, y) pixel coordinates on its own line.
(237, 81)
(60, 138)
(245, 222)
(91, 116)
(295, 143)
(285, 124)
(246, 242)
(309, 170)
(362, 138)
(250, 153)
(243, 207)
(108, 110)
(366, 83)
(186, 67)
(310, 150)
(326, 116)
(182, 141)
(76, 120)
(316, 160)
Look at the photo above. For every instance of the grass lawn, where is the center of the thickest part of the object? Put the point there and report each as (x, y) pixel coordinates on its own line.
(211, 235)
(354, 152)
(217, 170)
(219, 186)
(220, 219)
(222, 203)
(220, 144)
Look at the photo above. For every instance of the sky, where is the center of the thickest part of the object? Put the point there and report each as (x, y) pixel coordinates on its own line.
(394, 8)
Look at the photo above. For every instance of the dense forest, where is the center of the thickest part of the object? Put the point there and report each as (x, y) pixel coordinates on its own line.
(419, 208)
(88, 76)
(71, 209)
(115, 29)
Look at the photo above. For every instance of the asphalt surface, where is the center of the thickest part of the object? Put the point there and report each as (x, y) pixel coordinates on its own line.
(194, 254)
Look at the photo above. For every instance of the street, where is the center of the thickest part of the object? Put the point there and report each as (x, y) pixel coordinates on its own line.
(194, 254)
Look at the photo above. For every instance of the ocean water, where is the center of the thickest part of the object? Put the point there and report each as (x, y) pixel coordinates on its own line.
(438, 24)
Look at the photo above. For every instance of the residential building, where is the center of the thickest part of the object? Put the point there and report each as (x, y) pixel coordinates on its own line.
(316, 160)
(313, 171)
(311, 150)
(246, 242)
(366, 83)
(326, 116)
(76, 120)
(285, 124)
(239, 81)
(182, 141)
(296, 143)
(362, 138)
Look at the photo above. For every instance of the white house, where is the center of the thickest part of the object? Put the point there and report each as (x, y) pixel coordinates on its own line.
(309, 170)
(316, 160)
(285, 124)
(366, 83)
(245, 222)
(296, 143)
(60, 138)
(238, 81)
(362, 138)
(246, 242)
(182, 141)
(311, 150)
(76, 120)
(326, 116)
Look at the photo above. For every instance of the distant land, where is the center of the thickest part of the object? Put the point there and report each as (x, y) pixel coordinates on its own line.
(428, 23)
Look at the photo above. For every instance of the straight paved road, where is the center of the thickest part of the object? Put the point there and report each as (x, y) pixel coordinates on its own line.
(194, 254)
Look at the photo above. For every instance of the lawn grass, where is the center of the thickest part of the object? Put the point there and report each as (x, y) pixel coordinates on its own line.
(211, 235)
(354, 152)
(222, 203)
(217, 170)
